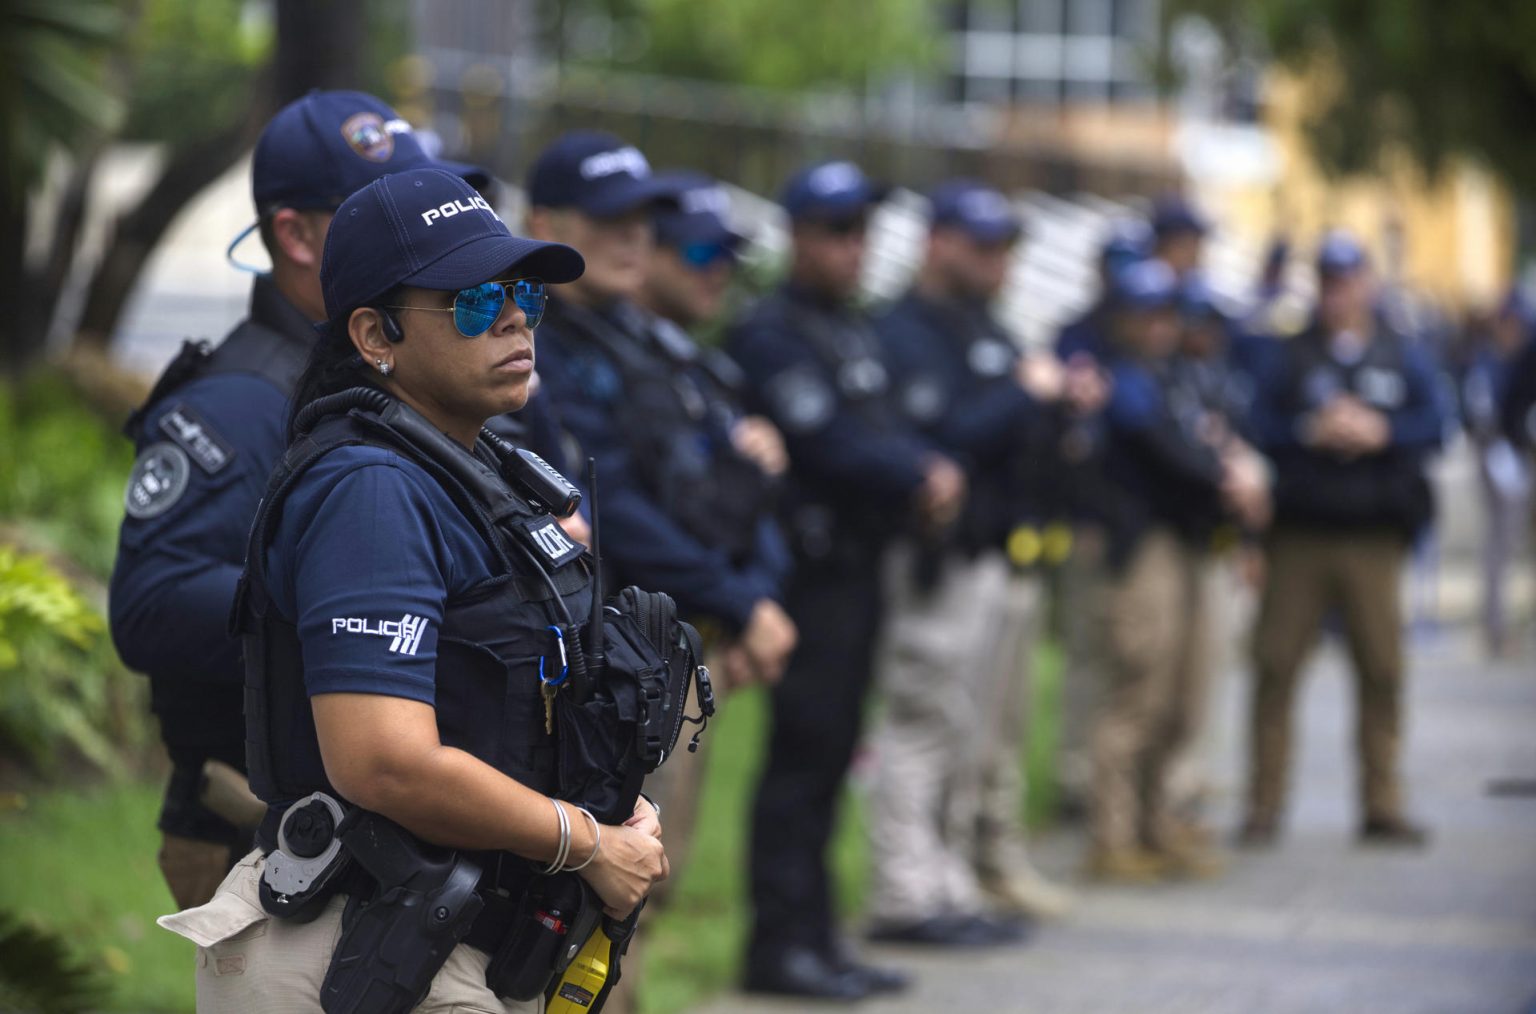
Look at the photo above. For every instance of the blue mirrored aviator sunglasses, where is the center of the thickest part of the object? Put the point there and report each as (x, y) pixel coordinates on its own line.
(476, 308)
(703, 255)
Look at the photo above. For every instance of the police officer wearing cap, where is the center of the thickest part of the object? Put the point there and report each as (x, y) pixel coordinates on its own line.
(1173, 483)
(1178, 234)
(857, 474)
(400, 604)
(1348, 413)
(1127, 241)
(686, 283)
(207, 438)
(685, 509)
(945, 827)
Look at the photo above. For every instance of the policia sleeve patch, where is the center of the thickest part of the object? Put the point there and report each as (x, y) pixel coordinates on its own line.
(158, 480)
(197, 438)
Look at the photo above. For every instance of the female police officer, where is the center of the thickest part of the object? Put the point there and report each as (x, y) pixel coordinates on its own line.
(397, 638)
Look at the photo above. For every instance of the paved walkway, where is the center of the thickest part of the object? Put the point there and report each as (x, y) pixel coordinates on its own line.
(1319, 924)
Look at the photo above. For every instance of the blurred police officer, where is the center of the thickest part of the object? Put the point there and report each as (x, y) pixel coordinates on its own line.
(1173, 484)
(685, 509)
(1178, 235)
(1128, 241)
(207, 437)
(945, 828)
(1347, 414)
(814, 367)
(1504, 473)
(1085, 342)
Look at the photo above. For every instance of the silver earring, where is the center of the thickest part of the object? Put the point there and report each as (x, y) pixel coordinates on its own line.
(384, 368)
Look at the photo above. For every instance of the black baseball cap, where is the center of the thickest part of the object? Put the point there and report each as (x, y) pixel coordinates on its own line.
(976, 209)
(829, 192)
(596, 173)
(320, 149)
(701, 214)
(428, 228)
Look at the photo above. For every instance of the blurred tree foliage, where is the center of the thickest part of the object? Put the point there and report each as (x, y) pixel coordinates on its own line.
(1435, 80)
(783, 45)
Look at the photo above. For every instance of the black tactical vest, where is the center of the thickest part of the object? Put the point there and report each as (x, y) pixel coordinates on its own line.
(1387, 488)
(487, 688)
(670, 414)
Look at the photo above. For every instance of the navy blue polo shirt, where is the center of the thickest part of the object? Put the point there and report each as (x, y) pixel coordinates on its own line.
(366, 556)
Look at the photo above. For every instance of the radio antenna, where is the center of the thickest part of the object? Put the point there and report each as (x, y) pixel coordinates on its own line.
(597, 657)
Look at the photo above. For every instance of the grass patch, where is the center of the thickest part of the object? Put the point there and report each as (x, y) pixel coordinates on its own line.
(82, 864)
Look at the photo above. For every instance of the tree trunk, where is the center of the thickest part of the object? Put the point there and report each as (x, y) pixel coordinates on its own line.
(22, 333)
(135, 234)
(320, 44)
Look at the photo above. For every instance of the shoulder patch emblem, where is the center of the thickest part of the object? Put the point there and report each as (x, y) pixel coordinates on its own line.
(545, 535)
(197, 438)
(801, 399)
(158, 480)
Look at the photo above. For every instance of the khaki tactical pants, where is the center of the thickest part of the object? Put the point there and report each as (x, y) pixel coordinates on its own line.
(1307, 574)
(1085, 671)
(1158, 670)
(251, 963)
(946, 792)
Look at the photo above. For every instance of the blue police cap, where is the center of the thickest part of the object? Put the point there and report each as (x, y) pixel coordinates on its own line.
(320, 149)
(1339, 254)
(828, 191)
(700, 214)
(976, 209)
(595, 173)
(1129, 240)
(1146, 285)
(1173, 214)
(431, 229)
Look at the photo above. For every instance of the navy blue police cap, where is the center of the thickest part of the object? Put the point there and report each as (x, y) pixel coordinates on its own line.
(1129, 240)
(701, 214)
(830, 191)
(595, 173)
(1339, 254)
(1173, 214)
(976, 209)
(320, 149)
(1147, 285)
(431, 229)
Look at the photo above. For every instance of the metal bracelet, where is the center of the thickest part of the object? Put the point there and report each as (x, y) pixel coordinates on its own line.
(563, 849)
(597, 831)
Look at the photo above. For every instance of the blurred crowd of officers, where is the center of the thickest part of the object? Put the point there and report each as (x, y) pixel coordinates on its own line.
(872, 504)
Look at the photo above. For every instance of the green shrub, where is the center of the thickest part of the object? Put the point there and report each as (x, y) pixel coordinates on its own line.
(63, 470)
(60, 682)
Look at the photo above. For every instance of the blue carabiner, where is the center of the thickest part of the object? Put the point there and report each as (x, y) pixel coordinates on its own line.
(565, 667)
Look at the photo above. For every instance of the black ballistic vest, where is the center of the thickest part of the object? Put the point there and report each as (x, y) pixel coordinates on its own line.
(491, 639)
(1385, 489)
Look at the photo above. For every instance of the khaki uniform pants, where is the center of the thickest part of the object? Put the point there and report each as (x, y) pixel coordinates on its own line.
(1307, 574)
(1154, 626)
(1085, 669)
(946, 787)
(251, 963)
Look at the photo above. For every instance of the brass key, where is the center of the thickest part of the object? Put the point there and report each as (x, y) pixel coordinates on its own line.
(548, 691)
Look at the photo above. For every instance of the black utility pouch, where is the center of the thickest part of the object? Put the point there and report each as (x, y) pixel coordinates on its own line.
(395, 940)
(557, 915)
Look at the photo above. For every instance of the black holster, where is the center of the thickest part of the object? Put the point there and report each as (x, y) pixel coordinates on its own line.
(394, 940)
(556, 916)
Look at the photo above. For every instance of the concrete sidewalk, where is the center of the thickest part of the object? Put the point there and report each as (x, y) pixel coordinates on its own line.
(1319, 924)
